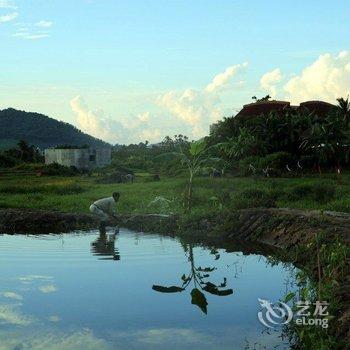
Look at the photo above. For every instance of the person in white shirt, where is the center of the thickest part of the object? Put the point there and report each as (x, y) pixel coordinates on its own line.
(105, 209)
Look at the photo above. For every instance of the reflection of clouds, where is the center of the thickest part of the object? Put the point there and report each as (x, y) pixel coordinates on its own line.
(12, 295)
(9, 314)
(54, 318)
(83, 340)
(31, 278)
(49, 288)
(169, 335)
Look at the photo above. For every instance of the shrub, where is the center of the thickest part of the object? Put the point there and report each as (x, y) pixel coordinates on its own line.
(245, 203)
(244, 165)
(299, 192)
(55, 169)
(277, 160)
(7, 161)
(254, 198)
(324, 193)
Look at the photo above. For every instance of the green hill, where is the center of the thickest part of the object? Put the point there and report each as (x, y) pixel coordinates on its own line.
(40, 130)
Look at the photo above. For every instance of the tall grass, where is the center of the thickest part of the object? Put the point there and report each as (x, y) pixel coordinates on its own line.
(75, 194)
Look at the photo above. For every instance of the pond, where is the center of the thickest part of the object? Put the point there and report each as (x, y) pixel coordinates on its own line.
(133, 291)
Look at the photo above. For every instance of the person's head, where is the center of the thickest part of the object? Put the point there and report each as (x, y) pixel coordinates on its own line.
(116, 196)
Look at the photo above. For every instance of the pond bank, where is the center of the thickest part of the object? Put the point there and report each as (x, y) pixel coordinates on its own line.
(293, 232)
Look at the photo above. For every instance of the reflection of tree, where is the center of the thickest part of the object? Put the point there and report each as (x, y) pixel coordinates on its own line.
(198, 276)
(104, 246)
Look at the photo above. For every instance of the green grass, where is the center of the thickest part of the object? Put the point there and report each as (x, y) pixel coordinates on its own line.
(75, 194)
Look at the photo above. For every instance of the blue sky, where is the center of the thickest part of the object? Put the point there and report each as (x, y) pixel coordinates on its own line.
(130, 70)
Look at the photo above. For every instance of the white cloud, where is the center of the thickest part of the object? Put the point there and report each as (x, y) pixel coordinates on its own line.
(222, 79)
(12, 295)
(189, 112)
(49, 288)
(269, 81)
(44, 24)
(27, 36)
(325, 79)
(9, 17)
(200, 108)
(7, 4)
(94, 122)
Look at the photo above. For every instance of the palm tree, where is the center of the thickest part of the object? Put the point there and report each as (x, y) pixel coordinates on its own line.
(344, 107)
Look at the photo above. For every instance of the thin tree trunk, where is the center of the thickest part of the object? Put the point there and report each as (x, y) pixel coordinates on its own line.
(189, 194)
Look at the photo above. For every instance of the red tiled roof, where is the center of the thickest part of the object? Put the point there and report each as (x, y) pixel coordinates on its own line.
(320, 108)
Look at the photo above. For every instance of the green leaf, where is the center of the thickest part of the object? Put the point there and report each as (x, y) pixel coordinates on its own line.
(197, 147)
(198, 298)
(172, 289)
(289, 297)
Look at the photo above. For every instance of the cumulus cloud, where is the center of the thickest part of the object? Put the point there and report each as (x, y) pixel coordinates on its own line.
(12, 295)
(127, 129)
(49, 288)
(198, 108)
(269, 81)
(325, 79)
(94, 122)
(44, 24)
(188, 112)
(195, 108)
(9, 17)
(222, 79)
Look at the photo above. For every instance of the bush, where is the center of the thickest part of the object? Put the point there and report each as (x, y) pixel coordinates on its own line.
(254, 198)
(324, 193)
(277, 160)
(244, 165)
(55, 169)
(300, 192)
(245, 203)
(7, 161)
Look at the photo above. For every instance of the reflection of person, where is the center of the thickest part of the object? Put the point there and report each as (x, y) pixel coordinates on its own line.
(105, 210)
(105, 246)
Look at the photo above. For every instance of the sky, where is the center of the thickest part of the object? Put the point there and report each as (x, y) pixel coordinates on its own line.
(136, 70)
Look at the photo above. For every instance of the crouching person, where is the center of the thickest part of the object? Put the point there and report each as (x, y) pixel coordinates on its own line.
(105, 210)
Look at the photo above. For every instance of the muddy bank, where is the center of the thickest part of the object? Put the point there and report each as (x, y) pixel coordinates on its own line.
(17, 221)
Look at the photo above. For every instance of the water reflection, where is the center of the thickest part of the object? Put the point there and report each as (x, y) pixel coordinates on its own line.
(42, 304)
(198, 277)
(104, 247)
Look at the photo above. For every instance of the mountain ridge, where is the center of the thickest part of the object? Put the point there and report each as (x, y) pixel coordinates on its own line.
(42, 131)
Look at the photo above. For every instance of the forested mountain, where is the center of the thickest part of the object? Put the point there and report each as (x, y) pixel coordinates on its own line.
(40, 130)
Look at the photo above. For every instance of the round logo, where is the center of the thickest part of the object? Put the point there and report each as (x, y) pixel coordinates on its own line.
(273, 315)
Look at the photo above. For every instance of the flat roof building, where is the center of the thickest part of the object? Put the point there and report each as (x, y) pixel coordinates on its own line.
(81, 158)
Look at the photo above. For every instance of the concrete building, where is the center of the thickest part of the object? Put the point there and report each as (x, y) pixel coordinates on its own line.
(81, 158)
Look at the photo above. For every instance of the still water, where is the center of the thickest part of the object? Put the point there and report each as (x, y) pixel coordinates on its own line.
(84, 291)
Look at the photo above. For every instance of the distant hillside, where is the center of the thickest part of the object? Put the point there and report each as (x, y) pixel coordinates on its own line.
(40, 130)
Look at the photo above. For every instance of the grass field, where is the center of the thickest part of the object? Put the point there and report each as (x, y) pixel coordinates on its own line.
(75, 194)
